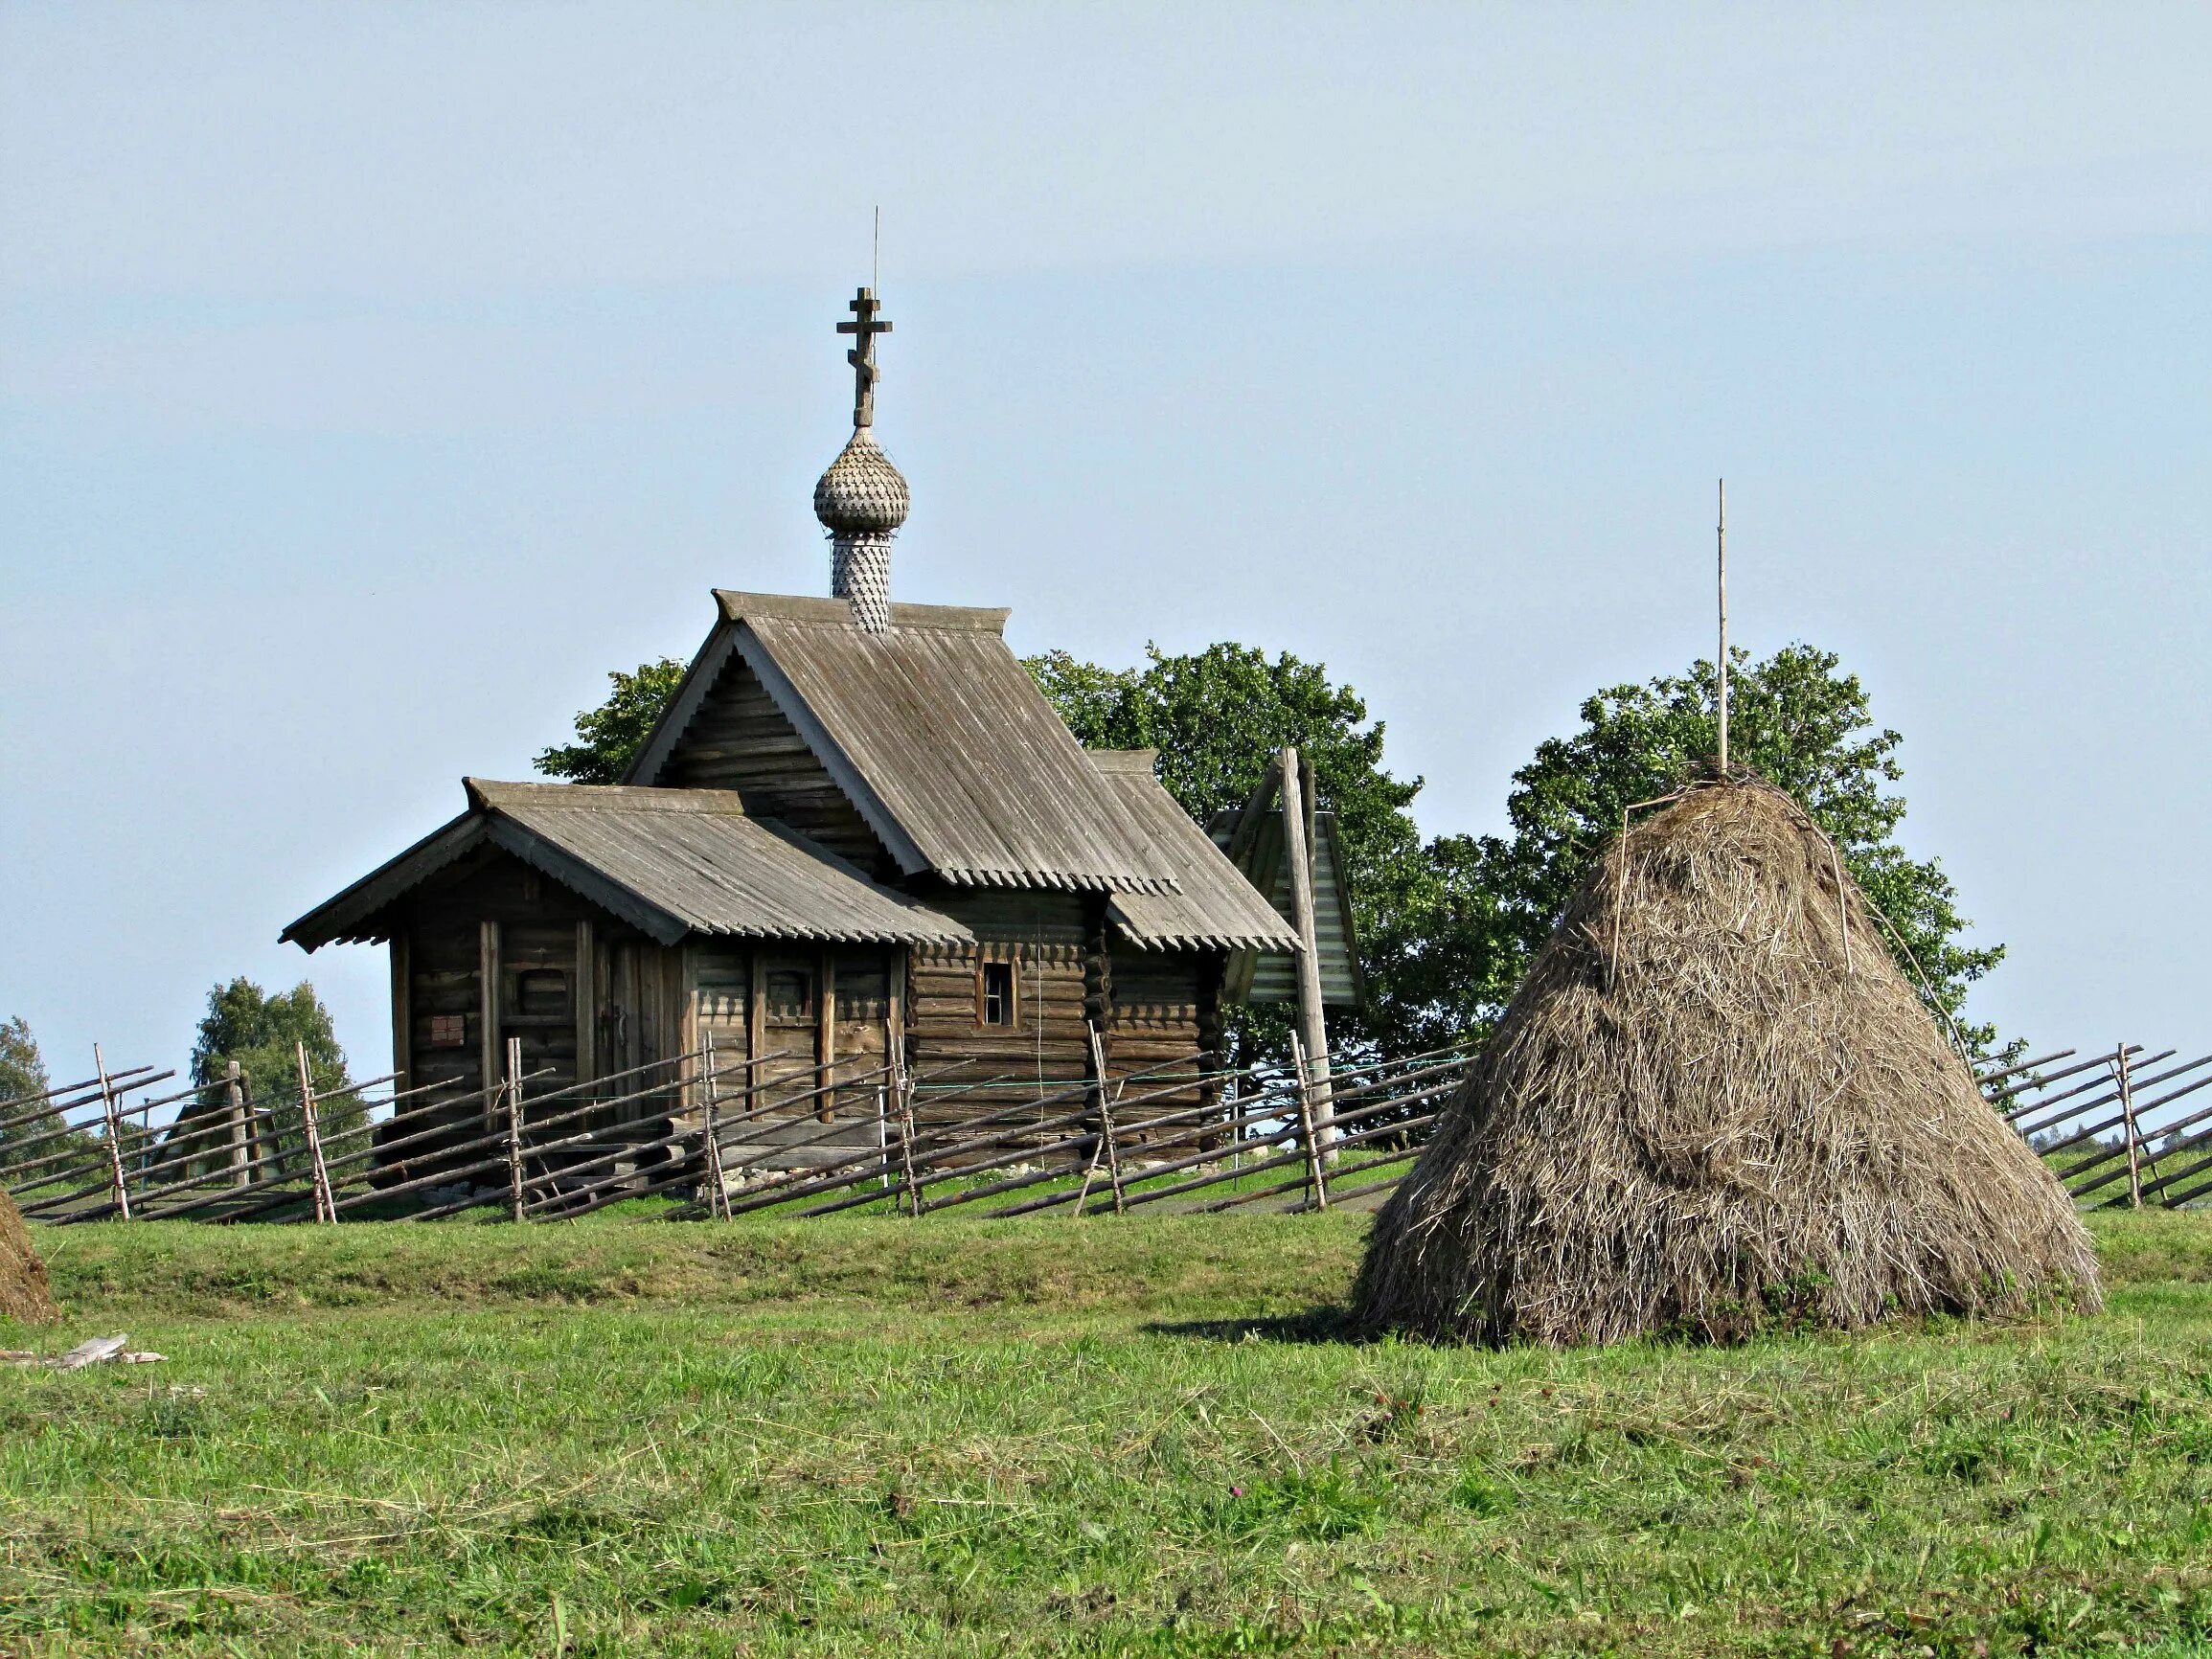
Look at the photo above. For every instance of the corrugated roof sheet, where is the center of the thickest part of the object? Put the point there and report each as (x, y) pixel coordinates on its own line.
(672, 861)
(941, 740)
(1215, 907)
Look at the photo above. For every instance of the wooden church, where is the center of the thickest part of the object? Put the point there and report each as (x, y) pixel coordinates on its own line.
(858, 824)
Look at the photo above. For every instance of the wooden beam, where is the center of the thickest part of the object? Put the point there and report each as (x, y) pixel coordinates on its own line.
(488, 1010)
(826, 1034)
(585, 995)
(402, 1011)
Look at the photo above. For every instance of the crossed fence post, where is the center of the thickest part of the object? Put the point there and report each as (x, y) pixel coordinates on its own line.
(118, 1189)
(718, 1185)
(1316, 1174)
(326, 1210)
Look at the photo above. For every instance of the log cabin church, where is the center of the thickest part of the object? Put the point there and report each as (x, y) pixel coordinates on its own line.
(859, 828)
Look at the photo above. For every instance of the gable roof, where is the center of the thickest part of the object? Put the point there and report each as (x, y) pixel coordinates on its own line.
(939, 737)
(1214, 907)
(668, 861)
(1269, 976)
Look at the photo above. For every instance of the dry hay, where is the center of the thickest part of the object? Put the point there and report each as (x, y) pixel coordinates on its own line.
(23, 1292)
(1695, 1117)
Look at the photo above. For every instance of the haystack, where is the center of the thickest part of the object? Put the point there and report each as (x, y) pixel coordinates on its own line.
(23, 1292)
(1715, 1104)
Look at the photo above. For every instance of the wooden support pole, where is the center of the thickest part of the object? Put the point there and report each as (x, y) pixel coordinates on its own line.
(587, 1004)
(826, 1036)
(319, 1176)
(1312, 1025)
(1105, 1120)
(514, 1094)
(235, 1114)
(118, 1189)
(2128, 1119)
(1722, 665)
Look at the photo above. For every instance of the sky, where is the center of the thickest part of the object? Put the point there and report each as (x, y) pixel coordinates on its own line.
(375, 378)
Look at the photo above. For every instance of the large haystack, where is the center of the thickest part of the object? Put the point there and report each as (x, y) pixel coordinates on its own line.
(1696, 1117)
(23, 1293)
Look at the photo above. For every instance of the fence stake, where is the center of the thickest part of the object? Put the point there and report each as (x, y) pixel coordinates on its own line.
(1106, 1118)
(320, 1176)
(1315, 1176)
(514, 1094)
(2128, 1119)
(903, 1086)
(118, 1186)
(234, 1097)
(718, 1190)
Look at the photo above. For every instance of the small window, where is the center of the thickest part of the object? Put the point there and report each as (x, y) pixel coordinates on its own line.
(790, 993)
(996, 994)
(449, 1030)
(542, 993)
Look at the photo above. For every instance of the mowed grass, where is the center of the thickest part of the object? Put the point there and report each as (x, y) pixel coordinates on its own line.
(626, 1435)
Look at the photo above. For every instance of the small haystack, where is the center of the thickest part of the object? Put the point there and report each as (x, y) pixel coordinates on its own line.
(1715, 1103)
(23, 1292)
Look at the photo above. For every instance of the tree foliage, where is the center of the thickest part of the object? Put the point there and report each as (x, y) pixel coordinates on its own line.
(608, 738)
(1217, 717)
(22, 1068)
(259, 1031)
(1799, 722)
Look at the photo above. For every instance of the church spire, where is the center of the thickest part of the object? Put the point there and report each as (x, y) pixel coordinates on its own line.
(861, 500)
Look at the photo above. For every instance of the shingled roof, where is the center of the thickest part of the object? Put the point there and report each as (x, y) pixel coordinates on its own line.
(939, 736)
(1214, 907)
(669, 861)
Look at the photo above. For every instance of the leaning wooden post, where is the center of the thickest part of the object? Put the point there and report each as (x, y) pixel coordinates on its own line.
(717, 1192)
(1105, 1120)
(234, 1099)
(903, 1091)
(118, 1188)
(1313, 1027)
(1316, 1171)
(2128, 1117)
(513, 1093)
(318, 1175)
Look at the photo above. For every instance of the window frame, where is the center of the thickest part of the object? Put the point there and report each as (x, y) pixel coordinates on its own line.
(1011, 967)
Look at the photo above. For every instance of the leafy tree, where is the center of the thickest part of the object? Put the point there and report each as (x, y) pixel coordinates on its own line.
(609, 736)
(22, 1069)
(1216, 717)
(259, 1031)
(1799, 722)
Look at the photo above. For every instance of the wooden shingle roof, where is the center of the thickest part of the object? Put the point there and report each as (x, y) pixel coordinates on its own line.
(669, 861)
(939, 737)
(1214, 907)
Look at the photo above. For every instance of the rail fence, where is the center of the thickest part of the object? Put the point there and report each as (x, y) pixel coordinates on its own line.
(2113, 1126)
(723, 1140)
(2118, 1129)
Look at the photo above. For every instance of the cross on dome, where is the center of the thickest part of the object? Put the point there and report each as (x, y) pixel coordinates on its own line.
(867, 324)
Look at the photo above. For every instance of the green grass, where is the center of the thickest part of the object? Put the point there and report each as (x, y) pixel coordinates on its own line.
(866, 1435)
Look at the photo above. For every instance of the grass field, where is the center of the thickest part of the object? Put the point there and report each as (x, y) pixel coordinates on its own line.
(621, 1436)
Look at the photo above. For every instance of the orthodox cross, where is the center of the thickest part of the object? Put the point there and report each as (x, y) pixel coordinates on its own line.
(867, 324)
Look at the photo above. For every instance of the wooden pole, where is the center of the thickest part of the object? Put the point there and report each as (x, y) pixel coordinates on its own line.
(118, 1189)
(1106, 1119)
(1723, 662)
(718, 1188)
(2128, 1119)
(318, 1175)
(513, 1093)
(234, 1099)
(1316, 1175)
(902, 1086)
(1312, 1025)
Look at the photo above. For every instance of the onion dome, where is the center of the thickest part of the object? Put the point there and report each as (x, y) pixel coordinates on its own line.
(862, 494)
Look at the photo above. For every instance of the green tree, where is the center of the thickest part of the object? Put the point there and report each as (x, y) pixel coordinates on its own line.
(1799, 722)
(1217, 717)
(22, 1069)
(609, 736)
(259, 1031)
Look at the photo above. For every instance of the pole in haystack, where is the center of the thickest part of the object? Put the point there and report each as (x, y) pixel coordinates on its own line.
(1723, 534)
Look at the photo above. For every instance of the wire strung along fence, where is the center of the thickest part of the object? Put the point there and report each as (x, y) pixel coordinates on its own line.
(2112, 1127)
(724, 1137)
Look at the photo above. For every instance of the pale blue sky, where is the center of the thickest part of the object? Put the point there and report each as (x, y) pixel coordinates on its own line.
(374, 379)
